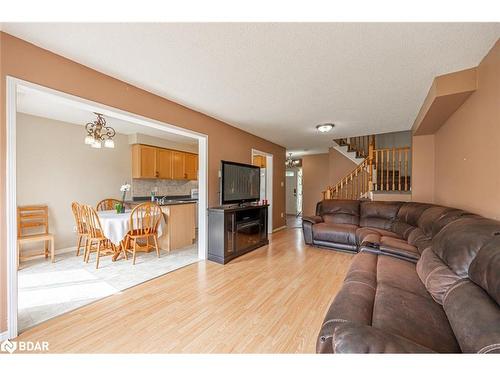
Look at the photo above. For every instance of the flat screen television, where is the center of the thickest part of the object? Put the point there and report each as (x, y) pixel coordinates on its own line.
(240, 183)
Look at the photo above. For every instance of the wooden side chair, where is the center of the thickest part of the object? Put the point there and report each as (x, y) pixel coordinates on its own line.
(81, 228)
(96, 241)
(33, 226)
(144, 221)
(107, 204)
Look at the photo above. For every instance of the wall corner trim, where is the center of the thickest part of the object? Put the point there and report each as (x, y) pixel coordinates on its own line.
(446, 94)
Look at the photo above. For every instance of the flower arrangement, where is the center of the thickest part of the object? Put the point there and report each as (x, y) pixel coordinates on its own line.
(120, 207)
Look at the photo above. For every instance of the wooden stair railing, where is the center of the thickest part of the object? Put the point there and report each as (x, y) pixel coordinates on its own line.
(356, 184)
(392, 169)
(361, 145)
(382, 170)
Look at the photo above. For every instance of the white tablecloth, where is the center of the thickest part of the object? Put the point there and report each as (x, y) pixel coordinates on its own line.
(116, 226)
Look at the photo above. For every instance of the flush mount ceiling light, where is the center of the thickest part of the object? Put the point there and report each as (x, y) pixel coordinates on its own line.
(98, 133)
(324, 128)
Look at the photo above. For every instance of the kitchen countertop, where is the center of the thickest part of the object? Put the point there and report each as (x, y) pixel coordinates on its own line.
(169, 200)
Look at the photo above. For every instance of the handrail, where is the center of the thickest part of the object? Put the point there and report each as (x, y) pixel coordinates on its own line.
(384, 169)
(361, 144)
(354, 184)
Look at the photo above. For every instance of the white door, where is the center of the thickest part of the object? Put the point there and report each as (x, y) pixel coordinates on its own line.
(291, 191)
(263, 184)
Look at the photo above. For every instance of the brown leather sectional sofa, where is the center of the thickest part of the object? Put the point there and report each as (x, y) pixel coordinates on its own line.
(426, 279)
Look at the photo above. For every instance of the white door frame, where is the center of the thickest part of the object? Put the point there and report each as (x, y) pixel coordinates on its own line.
(12, 86)
(269, 184)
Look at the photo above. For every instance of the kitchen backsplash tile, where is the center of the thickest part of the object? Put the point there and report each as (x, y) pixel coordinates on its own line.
(142, 187)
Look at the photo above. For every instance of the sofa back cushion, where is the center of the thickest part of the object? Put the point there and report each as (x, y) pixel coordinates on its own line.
(448, 217)
(336, 211)
(428, 217)
(407, 218)
(378, 214)
(458, 242)
(485, 269)
(461, 271)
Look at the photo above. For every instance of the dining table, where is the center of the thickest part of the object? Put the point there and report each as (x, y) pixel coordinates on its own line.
(115, 227)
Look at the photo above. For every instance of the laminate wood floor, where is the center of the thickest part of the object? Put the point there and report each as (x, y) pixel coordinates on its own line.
(271, 300)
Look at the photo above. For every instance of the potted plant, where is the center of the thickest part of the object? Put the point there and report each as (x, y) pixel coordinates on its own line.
(120, 207)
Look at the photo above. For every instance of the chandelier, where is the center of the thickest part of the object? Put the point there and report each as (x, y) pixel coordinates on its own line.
(290, 163)
(98, 133)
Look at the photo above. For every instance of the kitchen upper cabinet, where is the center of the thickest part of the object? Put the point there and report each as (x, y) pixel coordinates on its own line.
(259, 160)
(156, 162)
(178, 165)
(191, 166)
(164, 163)
(144, 161)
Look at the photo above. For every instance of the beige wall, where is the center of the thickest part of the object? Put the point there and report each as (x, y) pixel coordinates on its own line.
(31, 63)
(467, 147)
(339, 166)
(55, 167)
(315, 178)
(423, 170)
(320, 171)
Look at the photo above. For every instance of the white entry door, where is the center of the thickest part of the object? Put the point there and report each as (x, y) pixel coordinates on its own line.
(291, 191)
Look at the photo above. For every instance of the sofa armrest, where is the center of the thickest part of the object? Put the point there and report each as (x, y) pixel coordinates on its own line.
(356, 338)
(312, 219)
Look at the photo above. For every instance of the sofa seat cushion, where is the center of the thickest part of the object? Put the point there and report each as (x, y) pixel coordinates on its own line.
(398, 248)
(363, 233)
(413, 317)
(400, 274)
(335, 233)
(386, 293)
(398, 244)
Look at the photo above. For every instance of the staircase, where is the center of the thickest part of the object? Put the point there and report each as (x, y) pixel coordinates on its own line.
(378, 170)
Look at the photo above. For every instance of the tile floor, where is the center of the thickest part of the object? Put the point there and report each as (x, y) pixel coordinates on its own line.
(50, 289)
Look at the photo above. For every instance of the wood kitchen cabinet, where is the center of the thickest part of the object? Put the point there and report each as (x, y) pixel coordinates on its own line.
(178, 159)
(164, 159)
(191, 166)
(156, 162)
(144, 161)
(181, 226)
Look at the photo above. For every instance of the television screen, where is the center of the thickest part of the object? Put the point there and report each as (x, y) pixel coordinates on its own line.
(240, 183)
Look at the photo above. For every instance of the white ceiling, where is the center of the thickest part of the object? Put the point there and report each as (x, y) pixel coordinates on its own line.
(278, 80)
(42, 104)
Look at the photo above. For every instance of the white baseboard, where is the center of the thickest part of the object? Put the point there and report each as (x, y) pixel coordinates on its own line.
(278, 229)
(4, 336)
(58, 252)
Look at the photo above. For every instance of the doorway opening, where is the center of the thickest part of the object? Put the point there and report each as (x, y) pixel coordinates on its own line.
(293, 197)
(265, 161)
(49, 165)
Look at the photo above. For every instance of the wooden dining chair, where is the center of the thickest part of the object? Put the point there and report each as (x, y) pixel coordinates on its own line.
(33, 226)
(107, 204)
(144, 222)
(96, 241)
(81, 228)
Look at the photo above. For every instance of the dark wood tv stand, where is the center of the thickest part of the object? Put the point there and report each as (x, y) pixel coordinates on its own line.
(235, 230)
